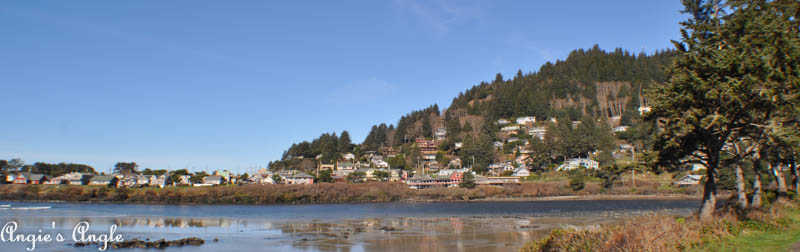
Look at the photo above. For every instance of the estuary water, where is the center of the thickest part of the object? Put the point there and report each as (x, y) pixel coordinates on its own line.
(450, 226)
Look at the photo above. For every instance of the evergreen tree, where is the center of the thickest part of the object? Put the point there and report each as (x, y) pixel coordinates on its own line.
(345, 145)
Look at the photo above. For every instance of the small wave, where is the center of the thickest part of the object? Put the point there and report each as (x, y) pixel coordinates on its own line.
(30, 208)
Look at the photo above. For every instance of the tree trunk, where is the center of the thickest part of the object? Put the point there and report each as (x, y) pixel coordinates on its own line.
(796, 180)
(777, 171)
(741, 193)
(709, 194)
(756, 200)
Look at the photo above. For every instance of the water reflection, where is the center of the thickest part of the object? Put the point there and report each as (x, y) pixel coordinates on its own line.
(325, 231)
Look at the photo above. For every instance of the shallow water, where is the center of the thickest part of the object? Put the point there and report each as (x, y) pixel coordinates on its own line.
(453, 226)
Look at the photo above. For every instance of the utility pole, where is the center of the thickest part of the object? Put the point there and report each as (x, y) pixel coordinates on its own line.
(633, 168)
(473, 163)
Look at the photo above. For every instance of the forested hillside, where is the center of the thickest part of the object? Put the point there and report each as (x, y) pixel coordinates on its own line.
(590, 83)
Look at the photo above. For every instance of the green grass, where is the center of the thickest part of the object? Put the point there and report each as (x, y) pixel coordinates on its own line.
(752, 240)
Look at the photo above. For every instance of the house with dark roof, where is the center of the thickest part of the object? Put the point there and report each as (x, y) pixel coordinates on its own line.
(300, 178)
(104, 180)
(30, 178)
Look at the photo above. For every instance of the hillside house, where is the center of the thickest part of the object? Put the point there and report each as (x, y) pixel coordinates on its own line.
(455, 163)
(526, 120)
(503, 122)
(326, 167)
(537, 132)
(498, 144)
(576, 163)
(388, 151)
(426, 146)
(440, 134)
(380, 164)
(521, 172)
(689, 180)
(510, 128)
(619, 129)
(346, 165)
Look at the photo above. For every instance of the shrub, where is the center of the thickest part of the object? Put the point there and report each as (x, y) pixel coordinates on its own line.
(577, 183)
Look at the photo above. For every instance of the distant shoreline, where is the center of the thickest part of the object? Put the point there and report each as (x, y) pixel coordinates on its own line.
(328, 193)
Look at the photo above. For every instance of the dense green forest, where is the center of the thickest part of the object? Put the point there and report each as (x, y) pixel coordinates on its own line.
(590, 85)
(575, 78)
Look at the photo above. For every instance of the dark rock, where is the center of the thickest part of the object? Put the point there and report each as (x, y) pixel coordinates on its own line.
(160, 244)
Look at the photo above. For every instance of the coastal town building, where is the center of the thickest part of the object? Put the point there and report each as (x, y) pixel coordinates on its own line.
(526, 120)
(298, 178)
(440, 134)
(576, 163)
(689, 180)
(213, 180)
(104, 181)
(537, 132)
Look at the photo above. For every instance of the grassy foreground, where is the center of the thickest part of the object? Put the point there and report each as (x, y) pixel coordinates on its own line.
(772, 228)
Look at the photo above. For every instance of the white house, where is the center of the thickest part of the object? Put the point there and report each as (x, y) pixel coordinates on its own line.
(349, 156)
(521, 172)
(537, 132)
(621, 129)
(440, 134)
(644, 109)
(689, 180)
(526, 119)
(213, 180)
(300, 178)
(380, 163)
(448, 172)
(503, 122)
(575, 163)
(510, 128)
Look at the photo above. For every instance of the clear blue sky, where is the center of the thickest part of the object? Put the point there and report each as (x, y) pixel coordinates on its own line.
(231, 84)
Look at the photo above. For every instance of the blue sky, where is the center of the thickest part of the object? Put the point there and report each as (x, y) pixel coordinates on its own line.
(230, 85)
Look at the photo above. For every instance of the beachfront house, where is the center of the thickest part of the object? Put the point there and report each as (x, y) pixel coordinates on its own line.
(127, 181)
(104, 180)
(213, 180)
(78, 178)
(159, 181)
(30, 178)
(60, 180)
(184, 180)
